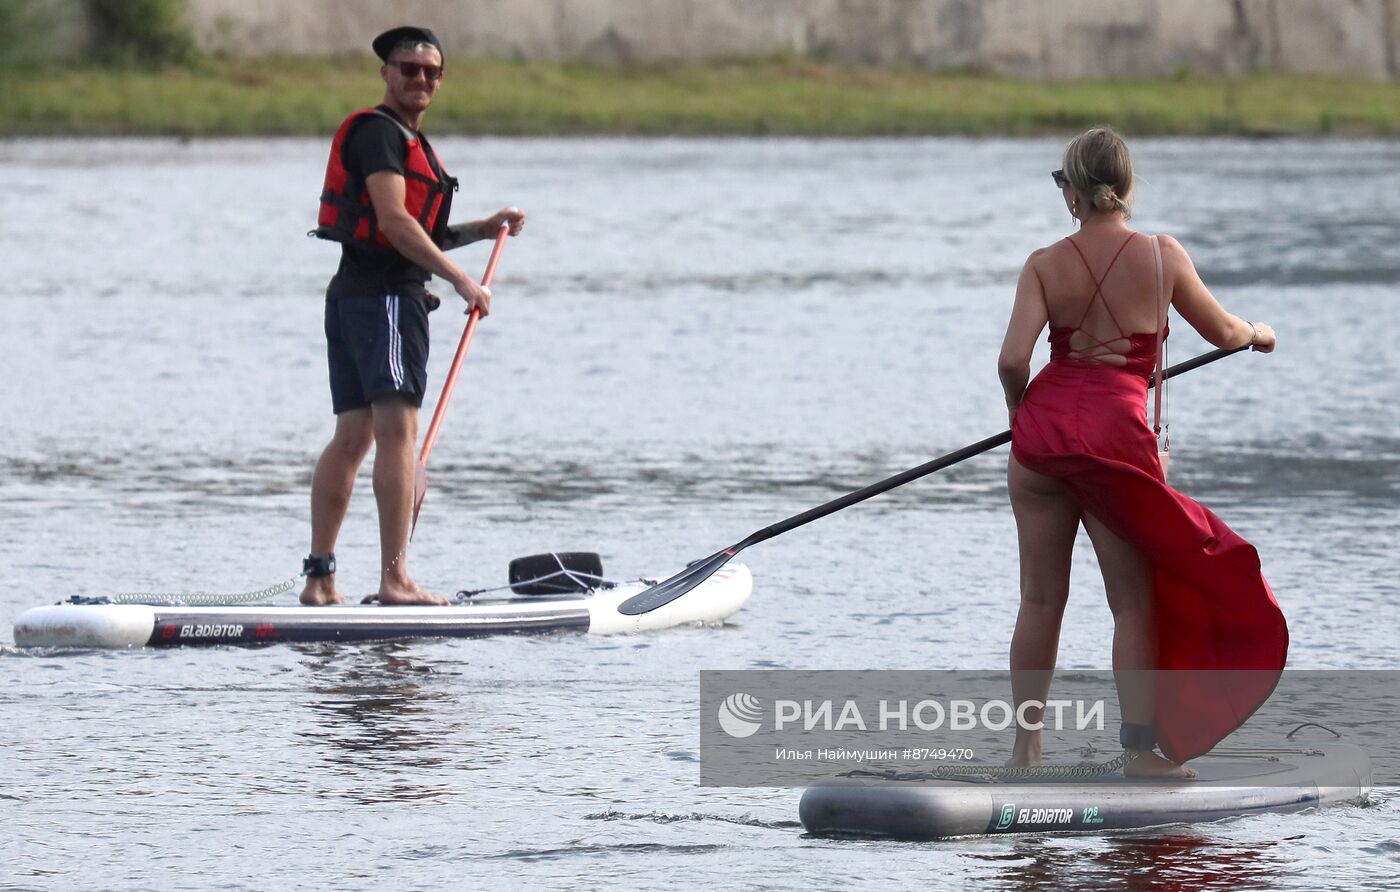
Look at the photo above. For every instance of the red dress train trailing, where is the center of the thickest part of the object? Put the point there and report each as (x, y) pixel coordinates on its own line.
(1083, 421)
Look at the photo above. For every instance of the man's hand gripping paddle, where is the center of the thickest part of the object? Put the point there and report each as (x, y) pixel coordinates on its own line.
(420, 476)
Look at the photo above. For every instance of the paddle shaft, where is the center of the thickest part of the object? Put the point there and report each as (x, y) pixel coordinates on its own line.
(451, 383)
(695, 574)
(939, 464)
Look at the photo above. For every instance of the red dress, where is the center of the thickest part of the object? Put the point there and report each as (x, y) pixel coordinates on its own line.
(1083, 422)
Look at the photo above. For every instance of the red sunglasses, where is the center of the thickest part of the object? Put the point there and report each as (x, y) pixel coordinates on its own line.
(411, 70)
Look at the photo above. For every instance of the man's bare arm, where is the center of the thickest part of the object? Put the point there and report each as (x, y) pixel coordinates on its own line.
(387, 192)
(460, 234)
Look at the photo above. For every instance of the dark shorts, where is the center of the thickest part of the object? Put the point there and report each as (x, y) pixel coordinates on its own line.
(376, 348)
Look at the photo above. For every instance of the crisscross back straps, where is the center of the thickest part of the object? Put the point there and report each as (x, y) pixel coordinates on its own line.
(1102, 347)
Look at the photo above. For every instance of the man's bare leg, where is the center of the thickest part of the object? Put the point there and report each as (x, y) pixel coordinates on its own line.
(396, 435)
(331, 484)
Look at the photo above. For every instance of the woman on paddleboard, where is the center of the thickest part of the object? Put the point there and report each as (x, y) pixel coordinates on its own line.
(1185, 590)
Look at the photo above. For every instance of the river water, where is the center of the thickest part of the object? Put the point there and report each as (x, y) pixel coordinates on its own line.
(692, 340)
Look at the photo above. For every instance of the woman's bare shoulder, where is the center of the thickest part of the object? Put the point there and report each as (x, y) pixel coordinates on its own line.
(1040, 255)
(1174, 255)
(1170, 244)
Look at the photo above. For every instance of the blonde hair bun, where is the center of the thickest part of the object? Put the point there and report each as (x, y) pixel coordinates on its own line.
(1098, 166)
(1105, 199)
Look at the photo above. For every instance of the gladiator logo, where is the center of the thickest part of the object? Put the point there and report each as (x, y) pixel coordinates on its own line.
(216, 630)
(740, 715)
(1008, 816)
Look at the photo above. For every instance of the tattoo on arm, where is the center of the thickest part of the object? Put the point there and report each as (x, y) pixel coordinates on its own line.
(461, 234)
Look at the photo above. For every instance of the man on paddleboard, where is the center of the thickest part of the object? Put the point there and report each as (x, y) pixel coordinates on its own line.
(386, 199)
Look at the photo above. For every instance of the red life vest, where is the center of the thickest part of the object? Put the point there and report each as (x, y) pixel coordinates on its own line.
(347, 215)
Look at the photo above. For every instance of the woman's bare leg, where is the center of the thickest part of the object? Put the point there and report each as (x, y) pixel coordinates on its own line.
(1047, 519)
(1127, 579)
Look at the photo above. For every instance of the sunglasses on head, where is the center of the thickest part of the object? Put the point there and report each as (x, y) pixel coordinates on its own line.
(1059, 177)
(411, 70)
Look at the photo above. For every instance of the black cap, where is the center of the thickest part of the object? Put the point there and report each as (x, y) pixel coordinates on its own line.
(384, 44)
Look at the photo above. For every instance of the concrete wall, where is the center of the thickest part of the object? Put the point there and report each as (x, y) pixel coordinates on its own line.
(1028, 38)
(39, 30)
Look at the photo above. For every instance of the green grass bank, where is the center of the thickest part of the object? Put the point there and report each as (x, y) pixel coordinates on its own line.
(248, 97)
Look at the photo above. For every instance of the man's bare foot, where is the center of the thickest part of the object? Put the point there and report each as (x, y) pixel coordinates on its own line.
(321, 591)
(409, 593)
(1148, 764)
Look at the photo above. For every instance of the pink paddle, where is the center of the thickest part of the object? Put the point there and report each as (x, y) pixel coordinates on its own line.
(420, 475)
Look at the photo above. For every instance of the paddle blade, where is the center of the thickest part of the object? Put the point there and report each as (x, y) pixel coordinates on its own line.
(668, 590)
(420, 489)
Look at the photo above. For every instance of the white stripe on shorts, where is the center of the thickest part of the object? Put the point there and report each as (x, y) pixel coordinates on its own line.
(391, 310)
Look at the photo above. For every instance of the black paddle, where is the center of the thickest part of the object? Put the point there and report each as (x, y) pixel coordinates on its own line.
(668, 590)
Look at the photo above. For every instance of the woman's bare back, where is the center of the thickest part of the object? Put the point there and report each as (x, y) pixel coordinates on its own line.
(1102, 286)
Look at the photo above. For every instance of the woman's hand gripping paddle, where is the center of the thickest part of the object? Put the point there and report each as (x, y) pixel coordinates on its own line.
(668, 590)
(420, 476)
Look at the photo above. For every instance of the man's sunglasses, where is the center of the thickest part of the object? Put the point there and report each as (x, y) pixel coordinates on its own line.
(1059, 177)
(411, 70)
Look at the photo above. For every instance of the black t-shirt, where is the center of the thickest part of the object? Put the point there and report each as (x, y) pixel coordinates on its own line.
(375, 144)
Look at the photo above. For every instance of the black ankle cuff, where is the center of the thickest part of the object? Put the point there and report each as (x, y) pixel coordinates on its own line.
(1137, 737)
(317, 567)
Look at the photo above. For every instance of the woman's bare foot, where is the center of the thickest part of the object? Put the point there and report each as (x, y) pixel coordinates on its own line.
(1025, 753)
(1024, 756)
(408, 593)
(321, 591)
(1149, 764)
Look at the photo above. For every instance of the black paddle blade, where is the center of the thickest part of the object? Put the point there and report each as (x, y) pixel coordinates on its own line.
(668, 590)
